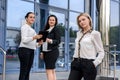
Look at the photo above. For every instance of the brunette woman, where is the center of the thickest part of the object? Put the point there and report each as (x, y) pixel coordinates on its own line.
(49, 49)
(27, 46)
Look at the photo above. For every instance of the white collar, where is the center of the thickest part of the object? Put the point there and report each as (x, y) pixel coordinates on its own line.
(50, 29)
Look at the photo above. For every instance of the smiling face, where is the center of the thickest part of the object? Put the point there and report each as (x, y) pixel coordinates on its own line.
(30, 19)
(52, 21)
(83, 21)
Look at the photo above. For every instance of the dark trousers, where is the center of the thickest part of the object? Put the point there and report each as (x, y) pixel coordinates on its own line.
(82, 68)
(26, 57)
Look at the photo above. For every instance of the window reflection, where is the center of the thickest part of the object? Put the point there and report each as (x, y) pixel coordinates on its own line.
(56, 3)
(61, 17)
(77, 5)
(16, 12)
(37, 1)
(72, 29)
(115, 25)
(72, 21)
(117, 0)
(114, 13)
(44, 1)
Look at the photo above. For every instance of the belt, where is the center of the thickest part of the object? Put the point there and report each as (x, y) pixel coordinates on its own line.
(83, 59)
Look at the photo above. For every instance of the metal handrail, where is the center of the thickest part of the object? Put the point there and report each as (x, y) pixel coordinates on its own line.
(114, 55)
(4, 63)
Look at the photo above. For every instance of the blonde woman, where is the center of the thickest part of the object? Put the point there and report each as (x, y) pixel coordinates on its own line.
(87, 44)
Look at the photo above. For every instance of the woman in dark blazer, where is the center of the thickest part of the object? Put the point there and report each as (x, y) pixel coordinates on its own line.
(49, 49)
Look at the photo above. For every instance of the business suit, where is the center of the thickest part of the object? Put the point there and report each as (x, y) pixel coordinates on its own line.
(51, 56)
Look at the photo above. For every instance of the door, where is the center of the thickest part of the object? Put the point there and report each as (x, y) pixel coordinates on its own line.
(62, 24)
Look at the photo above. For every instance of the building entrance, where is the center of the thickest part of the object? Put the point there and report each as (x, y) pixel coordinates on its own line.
(61, 63)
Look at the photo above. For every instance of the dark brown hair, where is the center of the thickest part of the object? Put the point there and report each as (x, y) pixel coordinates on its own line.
(47, 24)
(26, 16)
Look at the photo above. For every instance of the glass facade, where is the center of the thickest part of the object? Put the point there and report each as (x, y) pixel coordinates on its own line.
(66, 15)
(59, 3)
(15, 18)
(115, 28)
(114, 14)
(77, 5)
(72, 33)
(115, 24)
(16, 11)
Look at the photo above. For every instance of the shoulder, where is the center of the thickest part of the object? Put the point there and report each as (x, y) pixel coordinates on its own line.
(25, 26)
(94, 32)
(56, 29)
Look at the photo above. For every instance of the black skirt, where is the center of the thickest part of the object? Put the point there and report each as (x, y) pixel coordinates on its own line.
(50, 58)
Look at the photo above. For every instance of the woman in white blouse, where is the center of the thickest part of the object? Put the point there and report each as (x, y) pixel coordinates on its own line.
(89, 50)
(27, 46)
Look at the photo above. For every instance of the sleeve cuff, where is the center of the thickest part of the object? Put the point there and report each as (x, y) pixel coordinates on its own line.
(95, 63)
(37, 44)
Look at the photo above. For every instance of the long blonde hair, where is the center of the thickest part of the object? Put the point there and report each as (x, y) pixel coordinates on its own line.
(86, 15)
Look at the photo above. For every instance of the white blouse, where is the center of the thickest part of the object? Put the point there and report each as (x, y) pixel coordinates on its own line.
(27, 34)
(90, 45)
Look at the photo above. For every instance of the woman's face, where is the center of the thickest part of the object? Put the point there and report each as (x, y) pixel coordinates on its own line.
(52, 21)
(30, 19)
(84, 22)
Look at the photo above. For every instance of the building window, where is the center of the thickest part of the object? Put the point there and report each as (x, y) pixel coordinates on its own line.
(114, 24)
(58, 3)
(77, 5)
(16, 12)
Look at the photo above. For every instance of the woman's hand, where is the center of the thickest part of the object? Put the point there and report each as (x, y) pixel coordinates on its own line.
(48, 40)
(37, 36)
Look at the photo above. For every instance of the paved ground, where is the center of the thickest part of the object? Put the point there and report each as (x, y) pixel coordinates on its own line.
(37, 76)
(42, 76)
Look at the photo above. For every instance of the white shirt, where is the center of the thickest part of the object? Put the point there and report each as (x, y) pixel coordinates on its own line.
(50, 29)
(90, 45)
(27, 34)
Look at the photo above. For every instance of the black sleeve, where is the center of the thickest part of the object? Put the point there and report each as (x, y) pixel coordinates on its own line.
(57, 36)
(44, 33)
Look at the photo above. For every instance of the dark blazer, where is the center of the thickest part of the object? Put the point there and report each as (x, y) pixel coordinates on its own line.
(56, 37)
